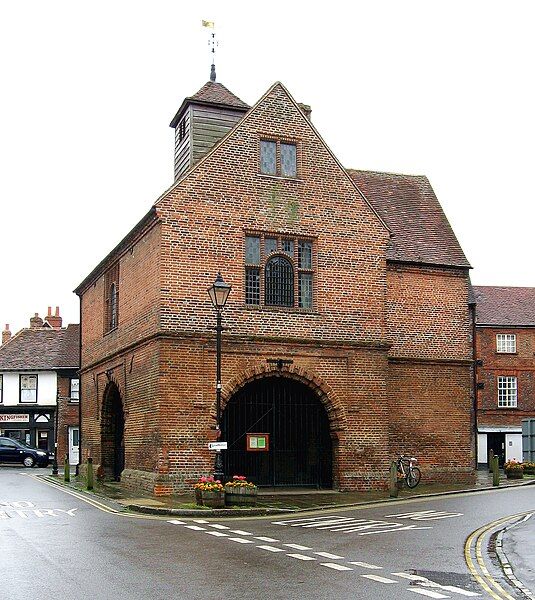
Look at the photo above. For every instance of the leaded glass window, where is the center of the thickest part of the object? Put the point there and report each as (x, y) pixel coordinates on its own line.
(305, 255)
(268, 157)
(270, 245)
(28, 388)
(305, 290)
(288, 160)
(279, 282)
(252, 285)
(288, 247)
(252, 250)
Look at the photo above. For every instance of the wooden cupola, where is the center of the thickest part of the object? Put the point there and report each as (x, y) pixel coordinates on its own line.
(202, 120)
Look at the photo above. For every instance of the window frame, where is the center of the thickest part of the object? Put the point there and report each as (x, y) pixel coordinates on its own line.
(36, 376)
(293, 258)
(1, 388)
(111, 299)
(505, 391)
(279, 141)
(71, 397)
(507, 340)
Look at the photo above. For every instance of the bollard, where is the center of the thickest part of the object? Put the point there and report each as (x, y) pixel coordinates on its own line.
(491, 458)
(67, 469)
(90, 480)
(394, 489)
(495, 471)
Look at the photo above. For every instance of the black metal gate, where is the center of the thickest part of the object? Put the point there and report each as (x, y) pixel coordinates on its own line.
(300, 447)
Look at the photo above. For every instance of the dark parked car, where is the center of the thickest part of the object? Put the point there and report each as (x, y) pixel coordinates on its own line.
(13, 451)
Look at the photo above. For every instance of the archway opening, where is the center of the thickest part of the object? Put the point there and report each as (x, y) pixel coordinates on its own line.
(112, 433)
(299, 449)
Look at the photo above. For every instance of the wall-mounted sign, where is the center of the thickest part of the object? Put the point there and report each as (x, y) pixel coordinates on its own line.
(14, 418)
(257, 442)
(217, 445)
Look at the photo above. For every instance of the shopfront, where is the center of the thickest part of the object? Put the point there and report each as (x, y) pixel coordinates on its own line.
(32, 426)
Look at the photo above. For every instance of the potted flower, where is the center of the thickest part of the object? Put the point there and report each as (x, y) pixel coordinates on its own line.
(240, 492)
(529, 468)
(513, 469)
(209, 492)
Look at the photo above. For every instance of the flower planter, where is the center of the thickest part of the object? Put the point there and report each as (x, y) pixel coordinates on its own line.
(198, 497)
(529, 470)
(240, 496)
(516, 474)
(212, 499)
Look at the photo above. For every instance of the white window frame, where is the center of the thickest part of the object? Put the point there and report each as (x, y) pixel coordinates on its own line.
(506, 343)
(76, 391)
(507, 391)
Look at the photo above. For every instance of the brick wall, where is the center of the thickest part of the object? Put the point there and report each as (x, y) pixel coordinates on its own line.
(520, 365)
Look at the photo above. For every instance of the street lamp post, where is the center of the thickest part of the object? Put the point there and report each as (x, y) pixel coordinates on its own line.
(218, 292)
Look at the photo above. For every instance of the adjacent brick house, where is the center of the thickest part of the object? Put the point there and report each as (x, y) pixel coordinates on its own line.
(349, 331)
(505, 352)
(39, 385)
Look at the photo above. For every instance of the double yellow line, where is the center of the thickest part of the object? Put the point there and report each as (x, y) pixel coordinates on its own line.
(478, 569)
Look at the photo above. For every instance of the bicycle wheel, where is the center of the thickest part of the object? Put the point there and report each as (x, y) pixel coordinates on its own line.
(413, 477)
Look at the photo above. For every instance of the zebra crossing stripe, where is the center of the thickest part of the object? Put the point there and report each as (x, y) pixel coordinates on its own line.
(297, 547)
(336, 566)
(271, 548)
(195, 527)
(329, 555)
(240, 540)
(217, 533)
(265, 539)
(217, 526)
(301, 557)
(379, 579)
(364, 565)
(427, 593)
(175, 522)
(240, 532)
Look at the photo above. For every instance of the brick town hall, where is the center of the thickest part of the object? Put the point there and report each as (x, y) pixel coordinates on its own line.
(348, 329)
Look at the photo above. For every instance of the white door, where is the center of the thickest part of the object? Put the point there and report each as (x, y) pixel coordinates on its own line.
(74, 445)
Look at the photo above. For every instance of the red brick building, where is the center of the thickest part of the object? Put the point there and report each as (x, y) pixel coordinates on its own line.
(39, 385)
(349, 331)
(505, 351)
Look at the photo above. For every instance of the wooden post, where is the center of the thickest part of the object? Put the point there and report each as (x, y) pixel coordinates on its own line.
(491, 458)
(66, 469)
(90, 478)
(394, 490)
(495, 471)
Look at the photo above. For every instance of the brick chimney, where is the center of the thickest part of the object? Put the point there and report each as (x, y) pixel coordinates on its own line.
(6, 335)
(54, 320)
(36, 321)
(306, 109)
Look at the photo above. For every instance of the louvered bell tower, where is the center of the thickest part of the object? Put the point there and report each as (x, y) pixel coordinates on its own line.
(202, 120)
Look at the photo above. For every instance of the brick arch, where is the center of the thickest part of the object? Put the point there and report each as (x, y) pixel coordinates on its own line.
(112, 430)
(329, 399)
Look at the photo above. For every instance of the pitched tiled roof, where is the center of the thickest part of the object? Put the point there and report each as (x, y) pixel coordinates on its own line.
(42, 348)
(211, 93)
(410, 208)
(215, 92)
(497, 305)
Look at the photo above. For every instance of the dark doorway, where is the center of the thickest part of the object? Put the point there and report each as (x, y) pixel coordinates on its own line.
(300, 446)
(496, 443)
(112, 434)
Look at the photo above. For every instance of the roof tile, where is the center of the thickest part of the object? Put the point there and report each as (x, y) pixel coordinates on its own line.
(499, 305)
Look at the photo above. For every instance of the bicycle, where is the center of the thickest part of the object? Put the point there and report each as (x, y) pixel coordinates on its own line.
(409, 472)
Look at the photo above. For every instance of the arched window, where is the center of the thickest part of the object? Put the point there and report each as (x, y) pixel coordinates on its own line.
(113, 306)
(279, 282)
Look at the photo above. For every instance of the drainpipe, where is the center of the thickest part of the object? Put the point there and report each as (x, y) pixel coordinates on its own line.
(472, 306)
(79, 394)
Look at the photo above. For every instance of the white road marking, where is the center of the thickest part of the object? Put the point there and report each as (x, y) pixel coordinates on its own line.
(336, 566)
(240, 540)
(195, 528)
(240, 532)
(428, 593)
(217, 526)
(428, 583)
(413, 577)
(199, 521)
(301, 557)
(217, 533)
(298, 547)
(19, 504)
(457, 590)
(271, 548)
(364, 565)
(328, 555)
(265, 539)
(379, 578)
(298, 522)
(426, 515)
(175, 522)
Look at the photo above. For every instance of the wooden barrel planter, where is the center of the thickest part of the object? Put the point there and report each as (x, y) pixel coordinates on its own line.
(212, 499)
(240, 496)
(515, 474)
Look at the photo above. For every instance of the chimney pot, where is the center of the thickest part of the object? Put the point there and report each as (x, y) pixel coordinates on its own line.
(54, 321)
(49, 311)
(6, 334)
(36, 321)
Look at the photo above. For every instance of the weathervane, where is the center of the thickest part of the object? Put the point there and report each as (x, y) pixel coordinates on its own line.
(212, 42)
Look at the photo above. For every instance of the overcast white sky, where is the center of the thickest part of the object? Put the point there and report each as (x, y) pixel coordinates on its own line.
(442, 88)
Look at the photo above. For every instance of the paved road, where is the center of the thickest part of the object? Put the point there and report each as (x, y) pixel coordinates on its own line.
(54, 545)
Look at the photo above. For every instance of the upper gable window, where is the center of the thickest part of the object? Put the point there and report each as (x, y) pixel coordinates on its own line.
(278, 158)
(506, 343)
(111, 298)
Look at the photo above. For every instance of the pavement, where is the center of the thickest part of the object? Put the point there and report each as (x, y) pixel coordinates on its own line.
(516, 553)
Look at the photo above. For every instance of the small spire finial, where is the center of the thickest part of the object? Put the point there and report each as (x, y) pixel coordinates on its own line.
(212, 73)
